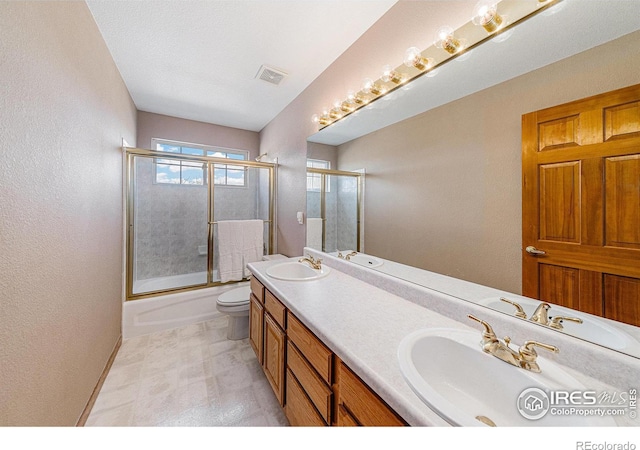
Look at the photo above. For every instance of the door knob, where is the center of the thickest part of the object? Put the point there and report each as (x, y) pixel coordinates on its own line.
(534, 251)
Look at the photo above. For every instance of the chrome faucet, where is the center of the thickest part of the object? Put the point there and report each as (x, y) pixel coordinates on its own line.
(525, 357)
(314, 263)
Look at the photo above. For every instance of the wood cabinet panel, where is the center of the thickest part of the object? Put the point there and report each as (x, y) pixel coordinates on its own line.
(317, 390)
(274, 356)
(257, 289)
(256, 326)
(299, 409)
(622, 299)
(345, 419)
(361, 403)
(318, 355)
(275, 308)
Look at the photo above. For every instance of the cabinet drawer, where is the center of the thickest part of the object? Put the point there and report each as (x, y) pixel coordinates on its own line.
(257, 289)
(318, 392)
(362, 403)
(299, 409)
(318, 355)
(274, 307)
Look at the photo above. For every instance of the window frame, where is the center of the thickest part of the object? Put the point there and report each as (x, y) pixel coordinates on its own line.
(207, 151)
(312, 177)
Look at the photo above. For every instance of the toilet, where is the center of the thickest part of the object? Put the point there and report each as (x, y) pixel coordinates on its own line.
(235, 303)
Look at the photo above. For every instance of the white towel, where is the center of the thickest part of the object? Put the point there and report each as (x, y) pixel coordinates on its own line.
(314, 233)
(252, 247)
(239, 243)
(230, 250)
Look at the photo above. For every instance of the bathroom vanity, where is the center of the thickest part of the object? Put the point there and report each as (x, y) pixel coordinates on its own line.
(330, 348)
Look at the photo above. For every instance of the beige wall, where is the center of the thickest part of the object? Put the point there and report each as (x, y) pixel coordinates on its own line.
(158, 126)
(64, 110)
(444, 188)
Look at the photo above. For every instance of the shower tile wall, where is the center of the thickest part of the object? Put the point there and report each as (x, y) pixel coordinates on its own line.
(171, 222)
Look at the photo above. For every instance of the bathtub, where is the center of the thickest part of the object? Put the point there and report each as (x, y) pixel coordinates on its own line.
(172, 310)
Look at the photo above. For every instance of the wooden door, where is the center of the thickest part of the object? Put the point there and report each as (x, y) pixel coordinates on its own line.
(581, 205)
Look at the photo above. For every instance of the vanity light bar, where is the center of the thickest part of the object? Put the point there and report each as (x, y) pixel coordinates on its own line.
(490, 18)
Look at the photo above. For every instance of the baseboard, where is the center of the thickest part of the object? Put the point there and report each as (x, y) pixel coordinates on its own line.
(94, 395)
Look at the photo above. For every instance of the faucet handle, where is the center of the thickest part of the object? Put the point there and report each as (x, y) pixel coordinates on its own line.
(488, 333)
(556, 322)
(529, 356)
(519, 311)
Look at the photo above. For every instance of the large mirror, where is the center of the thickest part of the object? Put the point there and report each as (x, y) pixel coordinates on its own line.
(443, 198)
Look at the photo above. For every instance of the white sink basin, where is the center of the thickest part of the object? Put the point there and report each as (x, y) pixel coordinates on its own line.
(366, 260)
(448, 370)
(296, 271)
(592, 328)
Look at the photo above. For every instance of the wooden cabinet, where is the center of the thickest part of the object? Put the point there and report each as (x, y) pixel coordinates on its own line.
(314, 387)
(357, 404)
(267, 336)
(256, 327)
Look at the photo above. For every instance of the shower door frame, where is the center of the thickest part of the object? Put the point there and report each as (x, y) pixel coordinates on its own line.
(131, 153)
(323, 189)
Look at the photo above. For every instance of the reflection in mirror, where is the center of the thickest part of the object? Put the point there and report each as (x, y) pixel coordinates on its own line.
(455, 193)
(608, 333)
(333, 208)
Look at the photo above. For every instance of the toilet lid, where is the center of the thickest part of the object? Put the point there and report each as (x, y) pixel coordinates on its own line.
(235, 296)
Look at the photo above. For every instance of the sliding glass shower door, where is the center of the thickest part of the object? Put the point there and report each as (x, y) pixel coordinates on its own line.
(170, 224)
(174, 205)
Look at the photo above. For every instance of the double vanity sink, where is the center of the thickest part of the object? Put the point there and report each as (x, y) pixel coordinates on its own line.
(448, 367)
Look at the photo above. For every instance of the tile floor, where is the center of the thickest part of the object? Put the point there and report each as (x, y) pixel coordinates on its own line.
(189, 376)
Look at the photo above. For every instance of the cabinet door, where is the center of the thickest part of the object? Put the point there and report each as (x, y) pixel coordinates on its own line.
(274, 348)
(256, 320)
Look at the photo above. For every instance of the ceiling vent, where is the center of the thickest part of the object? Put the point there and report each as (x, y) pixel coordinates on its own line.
(270, 75)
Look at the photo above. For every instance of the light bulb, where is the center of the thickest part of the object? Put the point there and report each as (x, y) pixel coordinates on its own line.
(485, 13)
(413, 58)
(370, 87)
(388, 74)
(447, 41)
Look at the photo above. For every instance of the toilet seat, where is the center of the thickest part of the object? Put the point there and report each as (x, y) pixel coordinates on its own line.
(235, 297)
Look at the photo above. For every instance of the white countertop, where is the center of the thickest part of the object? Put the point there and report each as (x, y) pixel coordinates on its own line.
(364, 325)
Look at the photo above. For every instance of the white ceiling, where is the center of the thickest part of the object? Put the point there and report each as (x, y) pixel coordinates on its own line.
(198, 59)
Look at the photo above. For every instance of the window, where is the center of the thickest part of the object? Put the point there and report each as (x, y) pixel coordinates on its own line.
(169, 171)
(314, 180)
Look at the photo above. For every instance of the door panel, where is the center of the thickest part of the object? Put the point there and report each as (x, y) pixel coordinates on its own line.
(560, 202)
(622, 299)
(622, 181)
(581, 204)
